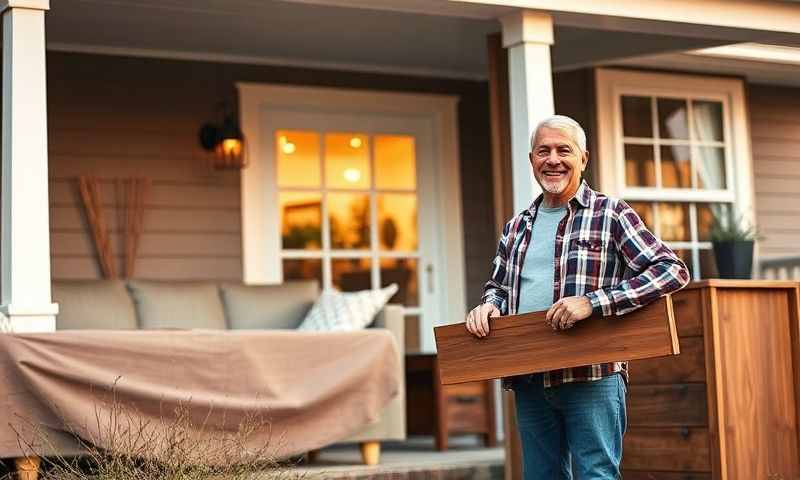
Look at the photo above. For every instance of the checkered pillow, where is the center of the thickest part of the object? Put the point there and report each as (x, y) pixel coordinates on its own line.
(337, 311)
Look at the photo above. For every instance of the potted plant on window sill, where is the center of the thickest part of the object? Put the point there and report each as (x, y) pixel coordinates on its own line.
(733, 240)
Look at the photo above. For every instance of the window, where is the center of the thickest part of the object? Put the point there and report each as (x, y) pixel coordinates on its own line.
(672, 139)
(348, 209)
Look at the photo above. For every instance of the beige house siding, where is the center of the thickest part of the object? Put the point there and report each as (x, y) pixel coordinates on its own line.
(775, 127)
(118, 116)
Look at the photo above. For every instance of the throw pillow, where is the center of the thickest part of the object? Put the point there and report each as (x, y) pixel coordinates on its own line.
(346, 311)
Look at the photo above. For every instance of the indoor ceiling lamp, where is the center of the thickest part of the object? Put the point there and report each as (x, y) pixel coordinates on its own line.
(226, 142)
(355, 142)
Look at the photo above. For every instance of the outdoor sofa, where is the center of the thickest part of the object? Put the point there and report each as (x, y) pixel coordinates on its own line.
(174, 308)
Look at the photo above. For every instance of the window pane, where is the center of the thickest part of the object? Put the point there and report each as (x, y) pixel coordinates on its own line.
(395, 162)
(645, 212)
(347, 161)
(302, 269)
(672, 119)
(708, 265)
(397, 221)
(711, 168)
(403, 272)
(298, 158)
(707, 121)
(674, 221)
(637, 118)
(640, 166)
(301, 220)
(351, 274)
(676, 168)
(687, 256)
(705, 218)
(349, 215)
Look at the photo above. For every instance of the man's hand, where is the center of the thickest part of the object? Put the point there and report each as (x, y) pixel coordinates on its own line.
(478, 319)
(567, 311)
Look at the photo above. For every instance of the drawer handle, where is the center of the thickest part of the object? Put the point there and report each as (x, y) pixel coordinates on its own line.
(683, 390)
(685, 432)
(464, 399)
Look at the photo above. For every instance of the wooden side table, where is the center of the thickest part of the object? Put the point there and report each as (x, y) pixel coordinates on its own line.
(438, 410)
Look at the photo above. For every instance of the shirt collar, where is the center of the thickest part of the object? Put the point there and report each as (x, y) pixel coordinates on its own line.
(583, 198)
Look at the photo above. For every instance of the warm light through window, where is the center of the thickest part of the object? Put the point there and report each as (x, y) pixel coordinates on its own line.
(352, 175)
(289, 148)
(355, 142)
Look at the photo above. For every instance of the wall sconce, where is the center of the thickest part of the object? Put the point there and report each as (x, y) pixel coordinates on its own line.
(227, 143)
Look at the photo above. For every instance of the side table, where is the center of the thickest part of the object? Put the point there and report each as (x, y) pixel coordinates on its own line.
(443, 410)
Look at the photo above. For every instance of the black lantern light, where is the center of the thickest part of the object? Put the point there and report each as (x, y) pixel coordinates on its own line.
(227, 143)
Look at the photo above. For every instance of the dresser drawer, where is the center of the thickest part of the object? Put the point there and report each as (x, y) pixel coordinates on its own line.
(466, 407)
(681, 449)
(688, 308)
(667, 405)
(688, 367)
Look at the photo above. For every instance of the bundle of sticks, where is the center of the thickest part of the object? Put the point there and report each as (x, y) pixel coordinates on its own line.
(129, 201)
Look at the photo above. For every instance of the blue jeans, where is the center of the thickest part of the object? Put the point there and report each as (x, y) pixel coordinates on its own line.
(579, 423)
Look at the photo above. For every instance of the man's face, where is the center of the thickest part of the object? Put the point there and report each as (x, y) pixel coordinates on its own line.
(557, 161)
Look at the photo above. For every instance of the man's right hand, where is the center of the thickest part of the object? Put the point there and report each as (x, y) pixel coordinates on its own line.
(478, 319)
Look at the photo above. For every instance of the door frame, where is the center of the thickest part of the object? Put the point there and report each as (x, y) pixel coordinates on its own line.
(260, 238)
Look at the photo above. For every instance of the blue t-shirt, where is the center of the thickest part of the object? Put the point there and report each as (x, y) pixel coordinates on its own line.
(536, 284)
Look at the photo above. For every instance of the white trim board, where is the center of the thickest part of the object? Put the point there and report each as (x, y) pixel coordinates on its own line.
(260, 238)
(781, 17)
(267, 61)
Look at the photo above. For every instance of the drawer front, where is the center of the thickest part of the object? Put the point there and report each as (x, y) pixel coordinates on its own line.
(466, 413)
(684, 449)
(667, 405)
(471, 388)
(688, 367)
(688, 312)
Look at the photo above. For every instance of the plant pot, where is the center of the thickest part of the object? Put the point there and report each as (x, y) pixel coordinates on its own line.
(734, 259)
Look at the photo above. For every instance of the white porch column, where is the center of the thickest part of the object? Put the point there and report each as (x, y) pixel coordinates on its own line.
(25, 224)
(528, 36)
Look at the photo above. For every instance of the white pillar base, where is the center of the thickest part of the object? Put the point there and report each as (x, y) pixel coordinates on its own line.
(31, 319)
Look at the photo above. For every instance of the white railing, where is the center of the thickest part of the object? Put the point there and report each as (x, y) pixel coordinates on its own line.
(780, 268)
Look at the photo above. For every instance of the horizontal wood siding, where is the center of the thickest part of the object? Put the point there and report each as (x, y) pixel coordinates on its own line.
(122, 116)
(775, 127)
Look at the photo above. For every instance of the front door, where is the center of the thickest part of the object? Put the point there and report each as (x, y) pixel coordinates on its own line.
(357, 209)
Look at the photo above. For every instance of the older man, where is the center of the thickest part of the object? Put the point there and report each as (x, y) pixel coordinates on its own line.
(573, 252)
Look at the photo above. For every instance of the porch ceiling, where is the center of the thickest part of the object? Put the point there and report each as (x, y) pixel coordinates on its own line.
(448, 41)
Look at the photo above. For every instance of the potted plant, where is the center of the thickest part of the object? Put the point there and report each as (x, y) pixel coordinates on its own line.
(733, 239)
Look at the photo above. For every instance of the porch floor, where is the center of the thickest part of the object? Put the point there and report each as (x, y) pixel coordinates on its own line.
(415, 458)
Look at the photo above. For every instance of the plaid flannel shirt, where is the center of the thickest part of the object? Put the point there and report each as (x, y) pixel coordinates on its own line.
(604, 251)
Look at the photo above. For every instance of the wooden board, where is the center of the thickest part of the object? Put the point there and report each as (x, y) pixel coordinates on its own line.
(520, 344)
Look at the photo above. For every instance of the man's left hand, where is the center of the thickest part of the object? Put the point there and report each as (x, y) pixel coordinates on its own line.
(568, 311)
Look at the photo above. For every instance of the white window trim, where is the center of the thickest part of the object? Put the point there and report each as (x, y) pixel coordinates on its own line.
(261, 247)
(611, 83)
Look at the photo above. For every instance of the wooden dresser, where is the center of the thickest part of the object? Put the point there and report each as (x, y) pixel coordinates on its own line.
(726, 408)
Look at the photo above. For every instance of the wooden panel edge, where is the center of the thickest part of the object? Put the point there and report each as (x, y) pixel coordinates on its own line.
(716, 404)
(794, 335)
(673, 327)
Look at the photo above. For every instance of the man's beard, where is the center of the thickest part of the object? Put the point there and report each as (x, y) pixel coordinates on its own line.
(555, 187)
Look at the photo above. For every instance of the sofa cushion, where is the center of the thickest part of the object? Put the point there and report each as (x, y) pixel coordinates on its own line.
(176, 304)
(93, 304)
(268, 306)
(338, 311)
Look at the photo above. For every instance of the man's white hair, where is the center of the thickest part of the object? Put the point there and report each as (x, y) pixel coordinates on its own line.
(564, 124)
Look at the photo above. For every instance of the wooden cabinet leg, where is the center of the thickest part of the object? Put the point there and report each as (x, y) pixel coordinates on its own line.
(312, 456)
(371, 452)
(27, 467)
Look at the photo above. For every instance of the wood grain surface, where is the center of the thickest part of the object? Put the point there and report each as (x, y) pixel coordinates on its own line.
(520, 344)
(678, 449)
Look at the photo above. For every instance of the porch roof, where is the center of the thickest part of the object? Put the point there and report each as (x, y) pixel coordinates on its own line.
(436, 38)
